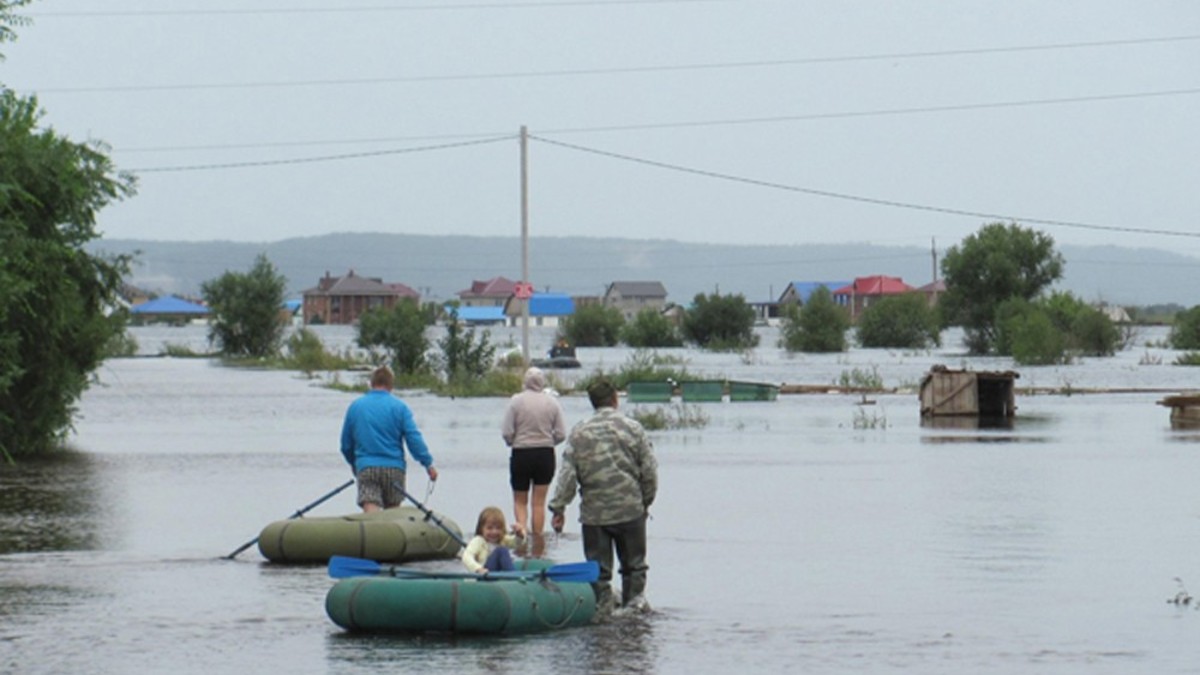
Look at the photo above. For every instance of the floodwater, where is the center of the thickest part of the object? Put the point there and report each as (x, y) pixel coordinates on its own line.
(818, 533)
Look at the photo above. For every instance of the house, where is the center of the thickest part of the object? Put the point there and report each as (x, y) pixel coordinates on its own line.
(342, 300)
(932, 291)
(631, 297)
(494, 292)
(168, 309)
(860, 293)
(797, 293)
(545, 309)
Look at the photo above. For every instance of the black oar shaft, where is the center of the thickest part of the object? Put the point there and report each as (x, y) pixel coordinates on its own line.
(429, 515)
(295, 515)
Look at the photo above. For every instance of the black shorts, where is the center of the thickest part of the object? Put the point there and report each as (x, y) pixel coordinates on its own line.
(530, 465)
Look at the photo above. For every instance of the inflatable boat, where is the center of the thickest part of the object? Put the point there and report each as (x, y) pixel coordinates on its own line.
(386, 604)
(401, 534)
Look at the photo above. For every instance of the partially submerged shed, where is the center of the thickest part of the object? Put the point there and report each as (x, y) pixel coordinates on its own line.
(947, 392)
(1185, 410)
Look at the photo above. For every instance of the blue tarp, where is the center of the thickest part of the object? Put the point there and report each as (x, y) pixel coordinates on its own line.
(551, 304)
(477, 314)
(169, 304)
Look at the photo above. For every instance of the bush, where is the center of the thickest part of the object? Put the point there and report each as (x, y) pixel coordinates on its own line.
(306, 353)
(245, 310)
(400, 333)
(1185, 331)
(642, 366)
(650, 329)
(593, 326)
(1028, 334)
(819, 326)
(721, 323)
(901, 321)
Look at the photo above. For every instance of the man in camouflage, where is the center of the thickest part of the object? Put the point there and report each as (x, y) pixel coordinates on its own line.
(610, 461)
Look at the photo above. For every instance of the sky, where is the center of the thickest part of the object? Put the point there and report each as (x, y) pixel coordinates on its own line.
(774, 122)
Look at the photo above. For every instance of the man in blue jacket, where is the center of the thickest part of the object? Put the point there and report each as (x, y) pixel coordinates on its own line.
(377, 428)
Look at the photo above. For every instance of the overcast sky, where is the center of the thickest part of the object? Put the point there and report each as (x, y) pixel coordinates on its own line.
(725, 121)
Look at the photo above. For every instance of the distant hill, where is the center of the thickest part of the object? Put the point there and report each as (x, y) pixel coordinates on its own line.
(441, 266)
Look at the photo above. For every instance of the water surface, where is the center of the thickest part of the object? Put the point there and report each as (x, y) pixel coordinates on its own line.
(810, 534)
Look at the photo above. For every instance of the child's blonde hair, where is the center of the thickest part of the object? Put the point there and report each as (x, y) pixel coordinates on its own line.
(491, 514)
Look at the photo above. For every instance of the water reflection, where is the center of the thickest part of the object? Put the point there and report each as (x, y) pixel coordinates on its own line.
(49, 503)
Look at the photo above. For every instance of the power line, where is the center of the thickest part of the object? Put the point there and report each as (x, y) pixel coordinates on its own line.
(309, 160)
(859, 198)
(578, 72)
(447, 6)
(710, 123)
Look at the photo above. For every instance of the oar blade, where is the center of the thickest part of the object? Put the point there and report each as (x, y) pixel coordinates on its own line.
(341, 566)
(587, 571)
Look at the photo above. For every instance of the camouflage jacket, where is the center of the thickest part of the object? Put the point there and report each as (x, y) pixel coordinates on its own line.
(610, 461)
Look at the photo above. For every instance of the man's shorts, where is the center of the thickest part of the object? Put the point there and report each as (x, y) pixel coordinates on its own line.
(530, 466)
(376, 485)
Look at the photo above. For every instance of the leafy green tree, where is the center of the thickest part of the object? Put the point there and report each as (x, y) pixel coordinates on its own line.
(593, 326)
(1185, 331)
(997, 263)
(56, 322)
(720, 322)
(820, 326)
(399, 332)
(651, 329)
(1026, 331)
(464, 359)
(1088, 331)
(246, 310)
(903, 321)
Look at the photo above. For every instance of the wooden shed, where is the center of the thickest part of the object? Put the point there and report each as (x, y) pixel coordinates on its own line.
(1185, 410)
(966, 392)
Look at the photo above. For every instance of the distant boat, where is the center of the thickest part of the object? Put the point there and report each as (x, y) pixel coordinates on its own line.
(562, 355)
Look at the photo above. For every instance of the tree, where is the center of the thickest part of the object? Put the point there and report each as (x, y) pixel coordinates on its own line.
(819, 326)
(56, 300)
(650, 329)
(463, 358)
(245, 309)
(720, 322)
(593, 326)
(1026, 331)
(902, 321)
(1185, 331)
(998, 263)
(400, 332)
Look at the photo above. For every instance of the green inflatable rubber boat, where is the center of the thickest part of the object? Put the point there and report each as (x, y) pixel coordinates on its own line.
(384, 604)
(401, 534)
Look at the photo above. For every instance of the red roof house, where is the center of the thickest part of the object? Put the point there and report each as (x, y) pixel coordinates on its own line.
(860, 293)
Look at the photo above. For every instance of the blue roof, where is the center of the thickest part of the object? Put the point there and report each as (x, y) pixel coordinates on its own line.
(805, 288)
(551, 304)
(292, 305)
(169, 304)
(477, 314)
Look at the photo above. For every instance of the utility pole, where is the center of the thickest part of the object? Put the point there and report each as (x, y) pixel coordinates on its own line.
(525, 242)
(933, 252)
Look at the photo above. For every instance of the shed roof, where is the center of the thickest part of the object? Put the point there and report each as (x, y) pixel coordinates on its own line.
(169, 304)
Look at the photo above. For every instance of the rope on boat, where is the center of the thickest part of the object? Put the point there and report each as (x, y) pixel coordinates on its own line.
(566, 620)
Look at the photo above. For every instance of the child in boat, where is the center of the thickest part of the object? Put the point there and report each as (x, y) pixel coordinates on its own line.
(488, 550)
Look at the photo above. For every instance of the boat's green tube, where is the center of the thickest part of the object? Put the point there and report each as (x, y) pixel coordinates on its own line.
(400, 534)
(387, 604)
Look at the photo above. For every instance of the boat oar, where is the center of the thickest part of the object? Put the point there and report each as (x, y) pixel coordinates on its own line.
(429, 515)
(341, 567)
(297, 514)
